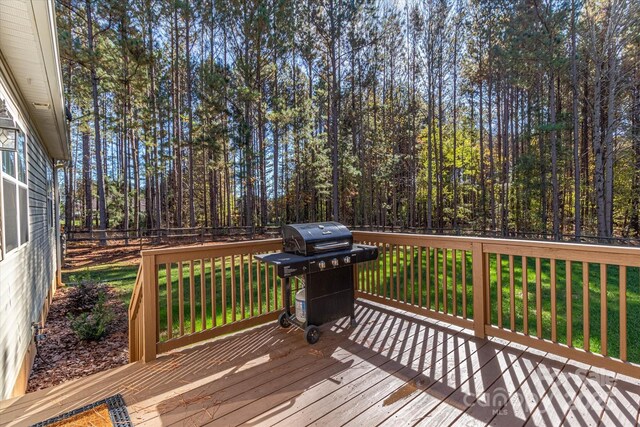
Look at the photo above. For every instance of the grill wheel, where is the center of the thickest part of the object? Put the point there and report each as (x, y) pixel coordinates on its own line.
(283, 321)
(312, 334)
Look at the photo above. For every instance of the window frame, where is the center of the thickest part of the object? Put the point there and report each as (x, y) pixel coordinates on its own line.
(18, 185)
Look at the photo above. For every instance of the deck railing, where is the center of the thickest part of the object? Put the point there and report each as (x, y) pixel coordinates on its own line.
(191, 294)
(577, 301)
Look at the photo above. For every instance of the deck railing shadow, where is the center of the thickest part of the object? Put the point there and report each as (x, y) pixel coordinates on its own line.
(269, 372)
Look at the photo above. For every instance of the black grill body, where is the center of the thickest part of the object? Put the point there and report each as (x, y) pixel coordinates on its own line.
(315, 238)
(325, 256)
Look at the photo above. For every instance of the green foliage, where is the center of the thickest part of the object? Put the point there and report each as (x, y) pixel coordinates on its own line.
(232, 105)
(83, 297)
(94, 324)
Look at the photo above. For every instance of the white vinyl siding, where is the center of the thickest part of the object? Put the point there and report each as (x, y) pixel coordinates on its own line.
(27, 271)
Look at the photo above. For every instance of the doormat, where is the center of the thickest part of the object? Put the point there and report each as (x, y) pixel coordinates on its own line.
(109, 412)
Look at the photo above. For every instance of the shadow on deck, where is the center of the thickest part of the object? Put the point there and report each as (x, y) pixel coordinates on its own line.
(393, 368)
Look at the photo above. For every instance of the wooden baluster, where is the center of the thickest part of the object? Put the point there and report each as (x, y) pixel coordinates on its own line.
(169, 303)
(412, 279)
(398, 272)
(569, 298)
(623, 312)
(464, 284)
(384, 270)
(214, 315)
(258, 275)
(512, 294)
(192, 296)
(538, 299)
(234, 307)
(444, 280)
(250, 265)
(266, 287)
(525, 297)
(241, 271)
(585, 306)
(487, 290)
(428, 265)
(454, 284)
(554, 315)
(181, 297)
(404, 268)
(367, 267)
(419, 276)
(274, 282)
(378, 271)
(603, 309)
(499, 287)
(203, 295)
(157, 298)
(435, 278)
(223, 289)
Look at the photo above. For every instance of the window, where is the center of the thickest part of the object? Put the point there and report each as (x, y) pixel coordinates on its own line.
(15, 197)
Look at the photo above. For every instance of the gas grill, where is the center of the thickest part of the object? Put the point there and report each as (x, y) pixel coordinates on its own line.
(323, 256)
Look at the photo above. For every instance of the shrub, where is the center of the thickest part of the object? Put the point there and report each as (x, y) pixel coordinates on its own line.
(93, 325)
(83, 298)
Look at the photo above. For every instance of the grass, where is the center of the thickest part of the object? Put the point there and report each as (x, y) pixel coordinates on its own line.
(399, 265)
(195, 291)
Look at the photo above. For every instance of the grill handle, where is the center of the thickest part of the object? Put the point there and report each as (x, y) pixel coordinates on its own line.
(331, 246)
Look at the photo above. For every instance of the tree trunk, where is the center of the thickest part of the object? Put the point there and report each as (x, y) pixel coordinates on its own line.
(102, 209)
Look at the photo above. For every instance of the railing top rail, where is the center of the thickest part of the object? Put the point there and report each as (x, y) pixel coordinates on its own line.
(263, 244)
(410, 237)
(135, 298)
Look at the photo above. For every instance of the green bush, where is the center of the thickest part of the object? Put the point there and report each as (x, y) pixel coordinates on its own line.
(84, 297)
(94, 324)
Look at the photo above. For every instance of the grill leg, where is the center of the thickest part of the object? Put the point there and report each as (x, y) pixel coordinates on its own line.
(287, 296)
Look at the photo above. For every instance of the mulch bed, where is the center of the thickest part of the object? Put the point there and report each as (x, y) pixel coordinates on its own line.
(63, 357)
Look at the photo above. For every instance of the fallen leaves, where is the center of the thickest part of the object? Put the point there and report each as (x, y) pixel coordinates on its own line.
(63, 357)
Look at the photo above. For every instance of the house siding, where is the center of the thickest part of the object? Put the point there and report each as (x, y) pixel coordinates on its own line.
(27, 274)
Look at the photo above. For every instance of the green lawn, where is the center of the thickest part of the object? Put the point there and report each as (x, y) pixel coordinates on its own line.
(122, 277)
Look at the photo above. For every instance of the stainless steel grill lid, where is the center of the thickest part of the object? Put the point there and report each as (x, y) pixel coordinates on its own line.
(314, 238)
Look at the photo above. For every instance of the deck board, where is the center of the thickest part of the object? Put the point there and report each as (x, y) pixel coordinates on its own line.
(283, 412)
(393, 367)
(329, 360)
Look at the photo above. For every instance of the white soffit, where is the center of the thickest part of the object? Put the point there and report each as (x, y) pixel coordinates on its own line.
(29, 49)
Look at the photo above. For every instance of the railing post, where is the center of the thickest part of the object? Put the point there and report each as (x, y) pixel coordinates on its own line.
(479, 294)
(149, 307)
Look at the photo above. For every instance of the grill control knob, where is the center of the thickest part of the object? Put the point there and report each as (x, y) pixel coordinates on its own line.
(321, 265)
(335, 262)
(347, 259)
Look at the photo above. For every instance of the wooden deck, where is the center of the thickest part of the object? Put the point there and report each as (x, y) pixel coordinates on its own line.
(393, 368)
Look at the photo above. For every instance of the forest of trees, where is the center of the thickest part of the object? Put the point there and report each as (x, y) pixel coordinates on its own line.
(439, 115)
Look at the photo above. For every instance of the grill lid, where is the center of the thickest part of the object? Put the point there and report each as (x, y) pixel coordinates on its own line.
(314, 238)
